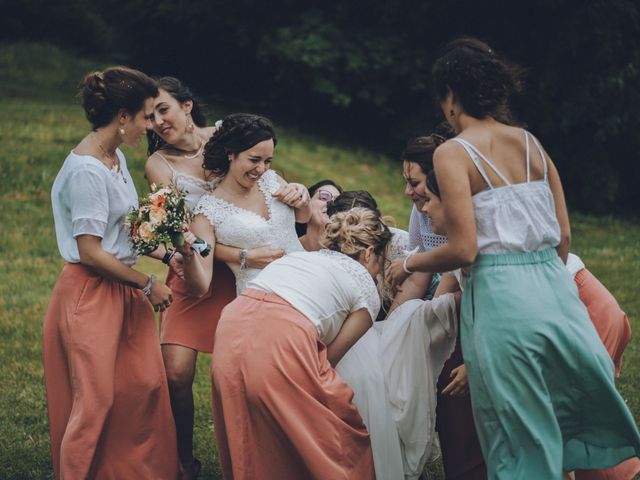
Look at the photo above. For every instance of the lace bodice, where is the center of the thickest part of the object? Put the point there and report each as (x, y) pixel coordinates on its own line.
(370, 298)
(238, 227)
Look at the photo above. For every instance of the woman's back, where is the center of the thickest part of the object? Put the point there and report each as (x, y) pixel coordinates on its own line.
(513, 203)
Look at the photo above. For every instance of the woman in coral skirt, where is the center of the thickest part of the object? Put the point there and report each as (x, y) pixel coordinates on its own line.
(107, 395)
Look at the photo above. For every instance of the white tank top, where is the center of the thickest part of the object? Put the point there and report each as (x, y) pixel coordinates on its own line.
(193, 187)
(517, 217)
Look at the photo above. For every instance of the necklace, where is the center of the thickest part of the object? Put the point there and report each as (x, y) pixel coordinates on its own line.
(115, 165)
(197, 154)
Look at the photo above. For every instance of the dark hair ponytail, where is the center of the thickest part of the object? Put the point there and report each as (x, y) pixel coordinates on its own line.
(480, 79)
(181, 93)
(237, 133)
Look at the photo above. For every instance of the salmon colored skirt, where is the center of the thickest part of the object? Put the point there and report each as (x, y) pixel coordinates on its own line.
(280, 410)
(614, 330)
(192, 321)
(107, 395)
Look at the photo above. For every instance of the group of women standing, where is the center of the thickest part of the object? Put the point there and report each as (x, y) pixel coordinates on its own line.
(305, 383)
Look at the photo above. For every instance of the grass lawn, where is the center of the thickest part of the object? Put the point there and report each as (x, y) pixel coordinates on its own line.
(41, 121)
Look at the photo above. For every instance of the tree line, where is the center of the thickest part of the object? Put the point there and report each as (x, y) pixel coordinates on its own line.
(361, 70)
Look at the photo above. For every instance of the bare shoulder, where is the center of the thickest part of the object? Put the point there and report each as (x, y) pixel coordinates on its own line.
(449, 151)
(157, 170)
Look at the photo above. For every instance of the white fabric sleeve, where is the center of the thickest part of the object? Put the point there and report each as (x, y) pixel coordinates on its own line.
(89, 202)
(415, 239)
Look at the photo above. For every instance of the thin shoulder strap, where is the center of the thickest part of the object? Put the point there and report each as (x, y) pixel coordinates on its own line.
(545, 167)
(157, 152)
(487, 161)
(474, 158)
(528, 155)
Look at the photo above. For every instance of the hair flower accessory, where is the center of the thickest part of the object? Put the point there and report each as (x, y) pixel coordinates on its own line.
(218, 124)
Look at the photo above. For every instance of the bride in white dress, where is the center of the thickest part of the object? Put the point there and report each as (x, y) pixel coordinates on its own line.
(394, 367)
(251, 206)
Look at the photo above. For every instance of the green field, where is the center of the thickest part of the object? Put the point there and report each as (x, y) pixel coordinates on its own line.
(41, 121)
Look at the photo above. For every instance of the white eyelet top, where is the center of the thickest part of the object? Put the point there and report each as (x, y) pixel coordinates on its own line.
(421, 234)
(238, 227)
(89, 199)
(516, 217)
(325, 286)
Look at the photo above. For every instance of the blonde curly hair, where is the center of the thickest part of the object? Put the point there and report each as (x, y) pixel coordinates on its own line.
(353, 231)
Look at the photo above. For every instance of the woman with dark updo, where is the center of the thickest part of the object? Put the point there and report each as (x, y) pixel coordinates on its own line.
(251, 207)
(281, 410)
(107, 395)
(176, 151)
(541, 382)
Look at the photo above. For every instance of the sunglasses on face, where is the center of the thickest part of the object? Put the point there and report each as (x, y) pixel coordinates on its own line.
(325, 195)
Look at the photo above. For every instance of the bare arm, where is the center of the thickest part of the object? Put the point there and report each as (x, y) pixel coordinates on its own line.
(296, 196)
(198, 271)
(95, 257)
(354, 326)
(561, 212)
(462, 245)
(415, 286)
(258, 257)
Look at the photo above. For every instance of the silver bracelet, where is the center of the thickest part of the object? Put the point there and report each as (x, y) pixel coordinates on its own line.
(404, 264)
(244, 254)
(147, 288)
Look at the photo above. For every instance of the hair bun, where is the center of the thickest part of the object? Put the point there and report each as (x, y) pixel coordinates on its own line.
(93, 93)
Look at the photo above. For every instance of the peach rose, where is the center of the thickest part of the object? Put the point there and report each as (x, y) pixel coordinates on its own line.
(146, 232)
(157, 215)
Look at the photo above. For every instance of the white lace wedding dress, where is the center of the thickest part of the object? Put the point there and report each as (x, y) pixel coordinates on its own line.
(238, 227)
(393, 370)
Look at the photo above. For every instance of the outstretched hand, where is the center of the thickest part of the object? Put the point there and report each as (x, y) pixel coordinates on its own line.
(396, 274)
(295, 195)
(189, 239)
(260, 257)
(459, 384)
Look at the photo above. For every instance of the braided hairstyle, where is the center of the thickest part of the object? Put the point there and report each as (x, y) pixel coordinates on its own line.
(181, 93)
(353, 231)
(238, 132)
(481, 80)
(105, 93)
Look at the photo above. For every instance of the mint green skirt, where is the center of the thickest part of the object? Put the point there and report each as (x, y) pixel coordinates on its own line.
(541, 382)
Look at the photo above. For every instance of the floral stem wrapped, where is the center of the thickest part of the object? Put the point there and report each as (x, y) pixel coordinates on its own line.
(161, 219)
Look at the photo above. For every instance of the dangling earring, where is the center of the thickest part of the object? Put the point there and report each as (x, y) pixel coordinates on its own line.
(190, 125)
(122, 132)
(452, 113)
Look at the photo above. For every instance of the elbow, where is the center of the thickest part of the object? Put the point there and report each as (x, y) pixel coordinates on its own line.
(87, 258)
(466, 255)
(197, 290)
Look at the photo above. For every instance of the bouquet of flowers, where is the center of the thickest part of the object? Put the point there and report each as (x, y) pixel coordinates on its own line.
(161, 218)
